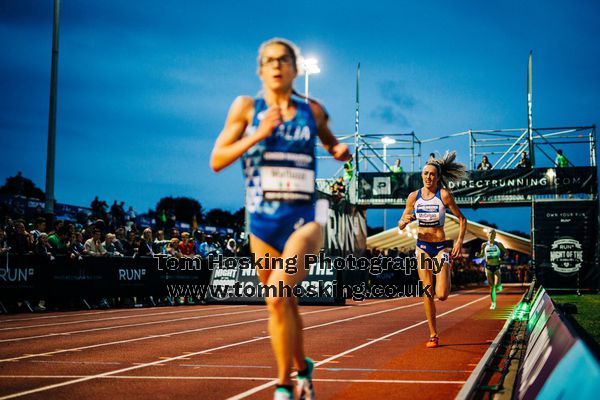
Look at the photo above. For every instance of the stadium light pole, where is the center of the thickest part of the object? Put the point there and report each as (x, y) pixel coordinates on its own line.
(51, 152)
(310, 66)
(386, 140)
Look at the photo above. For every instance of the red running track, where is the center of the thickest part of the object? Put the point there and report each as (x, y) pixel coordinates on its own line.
(364, 350)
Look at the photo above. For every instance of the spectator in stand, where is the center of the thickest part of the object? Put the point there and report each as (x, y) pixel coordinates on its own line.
(135, 246)
(174, 233)
(231, 250)
(128, 245)
(524, 162)
(338, 189)
(93, 246)
(9, 226)
(95, 205)
(561, 161)
(120, 240)
(199, 238)
(20, 240)
(186, 248)
(109, 245)
(173, 248)
(145, 249)
(4, 248)
(396, 168)
(58, 239)
(77, 246)
(40, 227)
(431, 157)
(348, 171)
(130, 216)
(208, 247)
(160, 244)
(115, 214)
(43, 248)
(484, 165)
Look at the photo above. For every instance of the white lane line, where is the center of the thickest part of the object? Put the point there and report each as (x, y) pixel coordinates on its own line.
(12, 328)
(132, 325)
(109, 328)
(69, 314)
(339, 355)
(226, 378)
(185, 356)
(169, 334)
(164, 335)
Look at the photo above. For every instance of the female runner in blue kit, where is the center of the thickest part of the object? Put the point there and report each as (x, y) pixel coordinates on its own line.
(274, 135)
(429, 204)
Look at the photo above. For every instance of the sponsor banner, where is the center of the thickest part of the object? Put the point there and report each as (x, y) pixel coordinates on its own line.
(565, 244)
(21, 275)
(24, 277)
(486, 185)
(239, 283)
(345, 233)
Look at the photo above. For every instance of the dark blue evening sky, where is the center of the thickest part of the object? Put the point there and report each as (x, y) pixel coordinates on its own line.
(144, 87)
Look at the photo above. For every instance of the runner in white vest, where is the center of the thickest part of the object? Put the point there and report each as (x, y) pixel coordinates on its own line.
(493, 251)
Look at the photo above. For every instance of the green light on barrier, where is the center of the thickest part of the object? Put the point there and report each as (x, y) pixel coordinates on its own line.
(521, 313)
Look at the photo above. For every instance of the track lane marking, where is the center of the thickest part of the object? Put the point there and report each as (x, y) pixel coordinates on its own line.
(330, 359)
(229, 378)
(59, 351)
(207, 351)
(12, 328)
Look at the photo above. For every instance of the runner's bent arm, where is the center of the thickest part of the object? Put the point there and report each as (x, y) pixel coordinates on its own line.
(229, 146)
(338, 150)
(407, 216)
(448, 199)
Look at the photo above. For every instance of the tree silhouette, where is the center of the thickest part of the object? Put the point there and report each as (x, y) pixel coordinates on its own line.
(220, 218)
(20, 186)
(184, 208)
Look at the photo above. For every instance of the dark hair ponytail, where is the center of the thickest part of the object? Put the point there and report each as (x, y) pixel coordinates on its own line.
(448, 169)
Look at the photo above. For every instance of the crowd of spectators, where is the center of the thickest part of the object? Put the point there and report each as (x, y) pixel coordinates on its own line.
(560, 161)
(74, 242)
(99, 240)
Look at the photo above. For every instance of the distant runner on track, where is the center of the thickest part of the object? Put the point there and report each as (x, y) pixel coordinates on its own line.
(493, 251)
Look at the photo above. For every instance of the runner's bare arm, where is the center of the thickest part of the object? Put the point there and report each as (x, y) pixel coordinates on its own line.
(230, 145)
(407, 216)
(480, 254)
(448, 200)
(338, 150)
(502, 249)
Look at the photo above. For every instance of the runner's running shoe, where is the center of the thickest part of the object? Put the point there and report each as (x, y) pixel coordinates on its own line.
(284, 393)
(306, 390)
(433, 342)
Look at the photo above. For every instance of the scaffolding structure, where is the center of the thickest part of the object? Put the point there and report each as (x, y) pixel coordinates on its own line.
(373, 154)
(510, 143)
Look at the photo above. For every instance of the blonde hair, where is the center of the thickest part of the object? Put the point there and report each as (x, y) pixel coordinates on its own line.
(448, 169)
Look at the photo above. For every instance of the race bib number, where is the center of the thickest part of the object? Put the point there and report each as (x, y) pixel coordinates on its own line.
(287, 184)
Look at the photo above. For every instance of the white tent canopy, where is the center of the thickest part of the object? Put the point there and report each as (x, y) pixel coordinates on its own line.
(408, 237)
